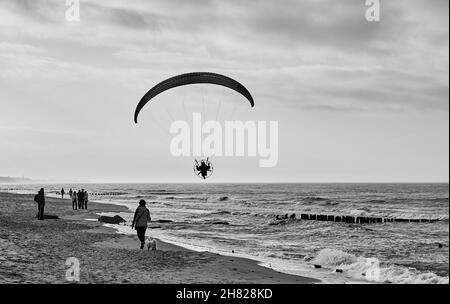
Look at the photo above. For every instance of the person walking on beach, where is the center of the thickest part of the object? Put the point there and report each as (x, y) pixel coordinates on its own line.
(40, 200)
(85, 199)
(74, 198)
(70, 192)
(140, 221)
(62, 193)
(80, 198)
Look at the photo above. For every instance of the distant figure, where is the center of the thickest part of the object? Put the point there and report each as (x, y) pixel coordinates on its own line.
(140, 221)
(80, 198)
(40, 200)
(85, 199)
(62, 193)
(203, 168)
(70, 192)
(74, 198)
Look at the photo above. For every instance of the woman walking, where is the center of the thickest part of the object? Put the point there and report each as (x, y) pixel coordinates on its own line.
(140, 220)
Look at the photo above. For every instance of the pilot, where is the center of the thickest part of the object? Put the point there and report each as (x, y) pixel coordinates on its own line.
(203, 168)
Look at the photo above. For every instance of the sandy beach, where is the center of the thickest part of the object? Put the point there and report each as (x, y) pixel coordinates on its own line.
(33, 251)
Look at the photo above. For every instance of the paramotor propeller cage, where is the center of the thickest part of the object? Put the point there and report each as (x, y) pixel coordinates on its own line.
(207, 163)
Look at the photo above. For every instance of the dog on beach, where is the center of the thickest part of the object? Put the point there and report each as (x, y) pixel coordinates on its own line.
(151, 244)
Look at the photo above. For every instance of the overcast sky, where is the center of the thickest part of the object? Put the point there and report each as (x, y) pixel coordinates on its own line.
(356, 101)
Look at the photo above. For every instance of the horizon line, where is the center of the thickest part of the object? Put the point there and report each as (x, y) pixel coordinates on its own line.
(225, 182)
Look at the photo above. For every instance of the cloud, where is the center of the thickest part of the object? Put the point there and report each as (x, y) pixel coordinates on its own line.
(318, 66)
(299, 53)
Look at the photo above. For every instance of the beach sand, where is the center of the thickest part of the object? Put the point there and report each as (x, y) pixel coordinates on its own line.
(33, 251)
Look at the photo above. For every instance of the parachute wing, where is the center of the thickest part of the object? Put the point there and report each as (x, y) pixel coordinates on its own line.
(192, 78)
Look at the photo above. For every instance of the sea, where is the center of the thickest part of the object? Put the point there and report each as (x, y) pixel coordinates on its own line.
(240, 220)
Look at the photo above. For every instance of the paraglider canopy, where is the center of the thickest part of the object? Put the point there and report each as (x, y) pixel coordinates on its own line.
(192, 78)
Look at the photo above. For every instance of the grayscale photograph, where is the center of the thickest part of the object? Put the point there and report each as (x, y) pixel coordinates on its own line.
(224, 143)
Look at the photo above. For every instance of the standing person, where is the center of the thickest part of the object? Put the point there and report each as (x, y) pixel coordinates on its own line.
(74, 198)
(85, 199)
(70, 192)
(62, 193)
(40, 200)
(80, 198)
(140, 220)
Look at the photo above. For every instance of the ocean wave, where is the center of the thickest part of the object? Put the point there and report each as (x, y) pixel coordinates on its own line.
(318, 202)
(376, 201)
(240, 213)
(215, 199)
(439, 199)
(328, 203)
(184, 198)
(359, 212)
(282, 222)
(370, 269)
(316, 198)
(221, 212)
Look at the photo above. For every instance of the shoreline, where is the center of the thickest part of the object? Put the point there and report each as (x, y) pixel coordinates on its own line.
(36, 251)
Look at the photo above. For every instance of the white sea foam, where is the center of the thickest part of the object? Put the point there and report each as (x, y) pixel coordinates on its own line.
(371, 270)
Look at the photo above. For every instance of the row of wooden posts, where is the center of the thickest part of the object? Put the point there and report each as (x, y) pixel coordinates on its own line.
(360, 219)
(91, 193)
(107, 193)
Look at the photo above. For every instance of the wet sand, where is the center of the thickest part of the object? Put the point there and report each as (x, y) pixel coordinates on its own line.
(33, 251)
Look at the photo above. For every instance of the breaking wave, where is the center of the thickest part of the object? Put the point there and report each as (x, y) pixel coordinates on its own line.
(371, 269)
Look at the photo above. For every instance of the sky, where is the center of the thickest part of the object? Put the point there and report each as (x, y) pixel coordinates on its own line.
(355, 101)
